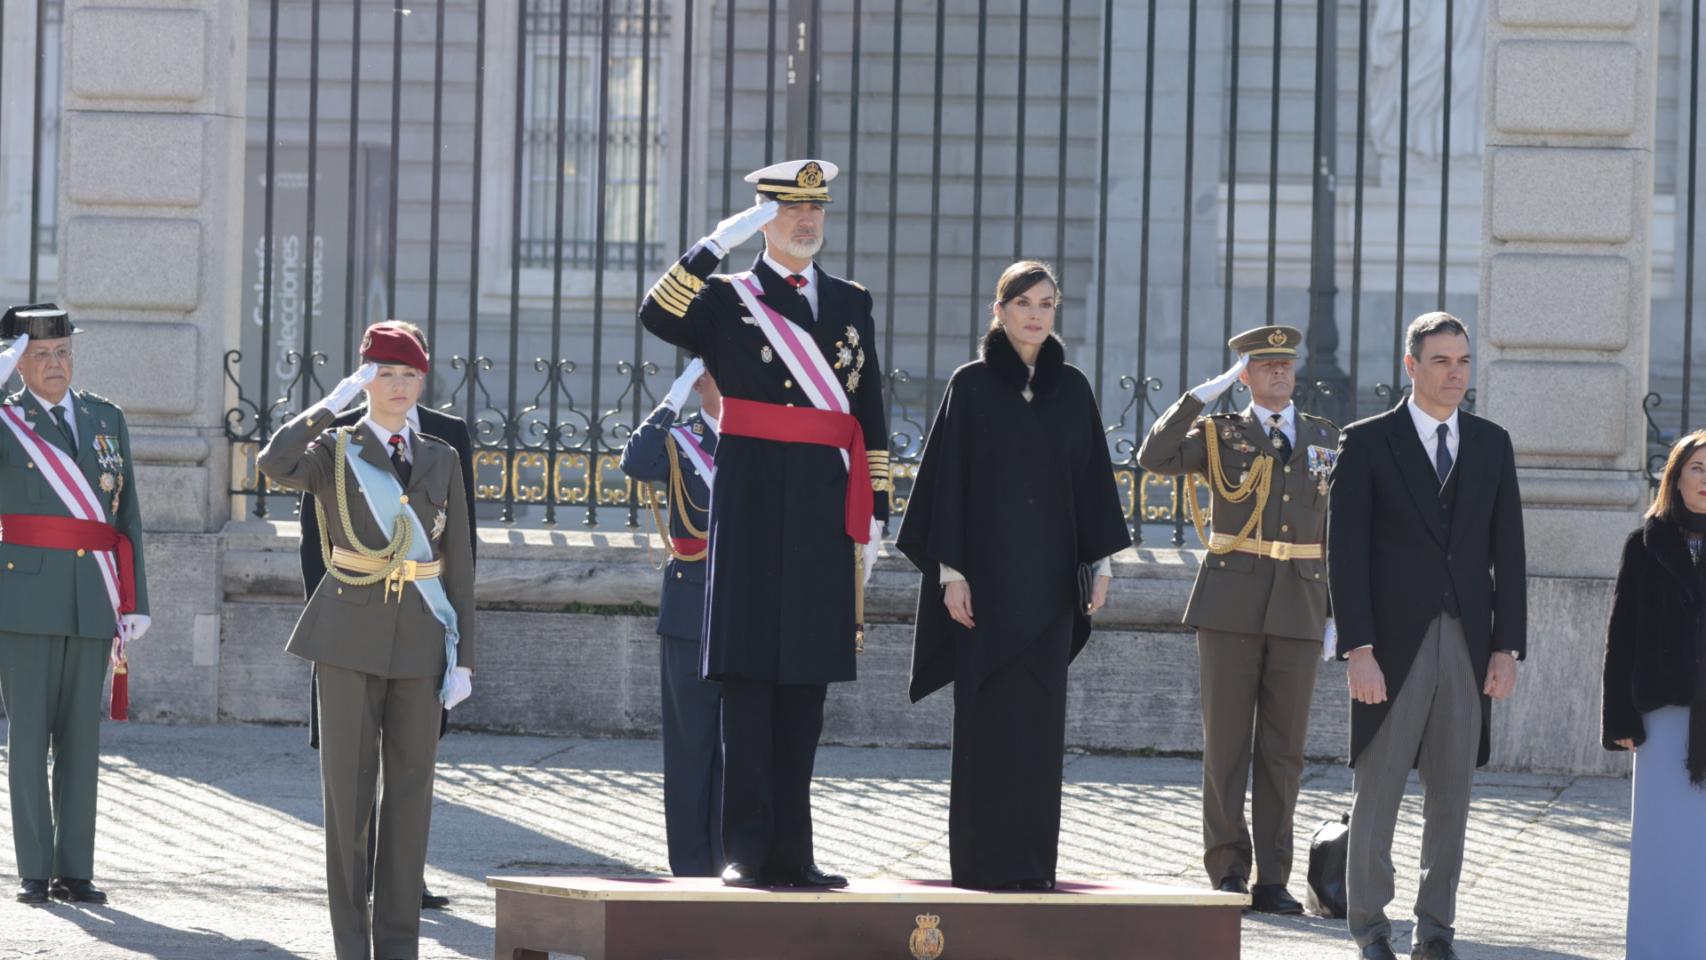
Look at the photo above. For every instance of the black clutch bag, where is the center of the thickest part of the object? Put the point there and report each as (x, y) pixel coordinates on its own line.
(1086, 587)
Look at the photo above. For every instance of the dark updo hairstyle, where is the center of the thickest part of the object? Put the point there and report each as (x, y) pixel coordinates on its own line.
(1018, 278)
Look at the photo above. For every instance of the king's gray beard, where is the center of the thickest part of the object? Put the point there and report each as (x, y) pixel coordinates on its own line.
(801, 251)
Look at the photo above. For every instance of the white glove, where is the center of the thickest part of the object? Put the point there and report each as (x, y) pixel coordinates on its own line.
(1330, 641)
(870, 553)
(738, 229)
(1211, 391)
(134, 625)
(10, 356)
(340, 396)
(461, 687)
(683, 384)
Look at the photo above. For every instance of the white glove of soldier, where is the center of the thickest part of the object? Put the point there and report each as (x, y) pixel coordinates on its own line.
(1211, 391)
(340, 396)
(461, 687)
(134, 625)
(1330, 641)
(870, 554)
(10, 356)
(738, 229)
(683, 385)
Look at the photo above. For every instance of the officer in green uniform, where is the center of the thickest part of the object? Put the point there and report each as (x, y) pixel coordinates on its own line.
(68, 509)
(1259, 604)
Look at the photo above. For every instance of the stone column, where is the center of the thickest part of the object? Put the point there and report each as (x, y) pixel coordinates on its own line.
(151, 194)
(1561, 349)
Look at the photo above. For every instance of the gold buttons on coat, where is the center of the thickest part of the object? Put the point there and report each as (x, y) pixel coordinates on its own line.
(678, 574)
(31, 465)
(1285, 528)
(1223, 563)
(82, 553)
(1287, 470)
(1286, 497)
(788, 384)
(11, 566)
(340, 591)
(404, 499)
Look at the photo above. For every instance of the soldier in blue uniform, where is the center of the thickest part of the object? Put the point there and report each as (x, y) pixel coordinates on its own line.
(680, 451)
(803, 486)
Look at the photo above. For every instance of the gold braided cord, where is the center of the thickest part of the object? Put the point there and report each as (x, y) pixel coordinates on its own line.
(1259, 482)
(394, 554)
(678, 496)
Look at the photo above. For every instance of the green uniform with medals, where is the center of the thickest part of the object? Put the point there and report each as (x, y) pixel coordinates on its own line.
(1259, 606)
(57, 631)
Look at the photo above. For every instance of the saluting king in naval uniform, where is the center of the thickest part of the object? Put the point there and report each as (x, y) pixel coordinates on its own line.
(802, 488)
(1260, 601)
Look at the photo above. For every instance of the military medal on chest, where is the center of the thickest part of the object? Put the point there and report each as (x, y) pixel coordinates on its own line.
(438, 524)
(766, 354)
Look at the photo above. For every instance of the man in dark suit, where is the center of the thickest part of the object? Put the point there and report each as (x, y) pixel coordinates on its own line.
(1428, 579)
(452, 430)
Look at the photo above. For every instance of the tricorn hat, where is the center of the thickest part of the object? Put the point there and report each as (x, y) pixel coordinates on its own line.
(42, 321)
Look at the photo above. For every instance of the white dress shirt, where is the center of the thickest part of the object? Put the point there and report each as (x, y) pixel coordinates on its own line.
(1287, 424)
(1428, 429)
(385, 435)
(64, 404)
(809, 291)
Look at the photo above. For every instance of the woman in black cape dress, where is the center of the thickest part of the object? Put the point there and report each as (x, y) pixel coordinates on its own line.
(1013, 493)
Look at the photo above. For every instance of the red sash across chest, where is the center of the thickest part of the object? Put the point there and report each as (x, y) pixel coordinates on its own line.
(784, 424)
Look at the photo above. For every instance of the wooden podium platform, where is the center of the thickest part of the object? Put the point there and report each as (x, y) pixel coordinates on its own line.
(662, 918)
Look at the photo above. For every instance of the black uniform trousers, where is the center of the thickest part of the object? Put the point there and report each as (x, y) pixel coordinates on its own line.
(770, 734)
(1009, 752)
(692, 761)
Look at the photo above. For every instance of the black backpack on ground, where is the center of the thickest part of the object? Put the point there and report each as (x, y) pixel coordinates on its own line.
(1326, 897)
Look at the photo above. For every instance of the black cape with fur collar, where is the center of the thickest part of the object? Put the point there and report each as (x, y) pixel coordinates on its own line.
(1014, 495)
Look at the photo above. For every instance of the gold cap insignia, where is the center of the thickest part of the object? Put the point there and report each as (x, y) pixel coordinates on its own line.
(810, 175)
(1276, 339)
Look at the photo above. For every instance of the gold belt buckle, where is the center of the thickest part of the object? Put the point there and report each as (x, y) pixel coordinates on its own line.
(403, 574)
(1279, 549)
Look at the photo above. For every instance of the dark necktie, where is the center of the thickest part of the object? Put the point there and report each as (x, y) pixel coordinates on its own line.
(398, 463)
(1278, 436)
(797, 281)
(64, 439)
(1442, 454)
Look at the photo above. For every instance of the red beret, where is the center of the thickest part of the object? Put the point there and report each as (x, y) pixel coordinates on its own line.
(384, 343)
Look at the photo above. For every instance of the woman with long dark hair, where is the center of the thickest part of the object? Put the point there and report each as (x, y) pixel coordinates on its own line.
(1015, 492)
(1655, 705)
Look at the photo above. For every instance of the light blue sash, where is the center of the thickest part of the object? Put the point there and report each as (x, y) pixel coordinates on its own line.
(385, 509)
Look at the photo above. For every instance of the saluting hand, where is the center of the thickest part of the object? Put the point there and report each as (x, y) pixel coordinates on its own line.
(683, 385)
(733, 231)
(10, 356)
(1501, 676)
(340, 396)
(1367, 683)
(956, 597)
(1211, 391)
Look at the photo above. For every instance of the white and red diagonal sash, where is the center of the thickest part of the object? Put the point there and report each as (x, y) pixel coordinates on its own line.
(69, 484)
(799, 352)
(703, 463)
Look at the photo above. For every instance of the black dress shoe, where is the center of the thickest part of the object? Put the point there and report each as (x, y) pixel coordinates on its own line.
(1378, 950)
(432, 901)
(1274, 898)
(811, 876)
(1233, 883)
(32, 891)
(77, 891)
(1435, 949)
(741, 875)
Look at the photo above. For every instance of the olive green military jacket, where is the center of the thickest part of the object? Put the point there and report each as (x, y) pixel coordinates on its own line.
(56, 592)
(1239, 592)
(358, 628)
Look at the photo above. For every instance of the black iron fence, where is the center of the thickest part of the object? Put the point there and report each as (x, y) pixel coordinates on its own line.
(513, 174)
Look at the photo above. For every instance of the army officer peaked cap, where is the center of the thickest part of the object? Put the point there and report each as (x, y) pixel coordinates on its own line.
(42, 321)
(795, 181)
(1268, 343)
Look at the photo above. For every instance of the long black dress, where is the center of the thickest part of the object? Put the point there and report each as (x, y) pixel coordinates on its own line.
(1013, 494)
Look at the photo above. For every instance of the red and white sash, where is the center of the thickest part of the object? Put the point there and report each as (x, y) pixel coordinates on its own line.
(799, 352)
(703, 463)
(68, 482)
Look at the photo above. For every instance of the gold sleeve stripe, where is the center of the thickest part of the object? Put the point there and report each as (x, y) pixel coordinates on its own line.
(676, 290)
(685, 277)
(669, 301)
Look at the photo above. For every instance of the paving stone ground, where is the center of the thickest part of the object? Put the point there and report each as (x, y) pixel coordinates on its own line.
(210, 843)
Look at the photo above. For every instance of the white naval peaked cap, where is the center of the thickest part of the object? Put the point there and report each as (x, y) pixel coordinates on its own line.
(795, 181)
